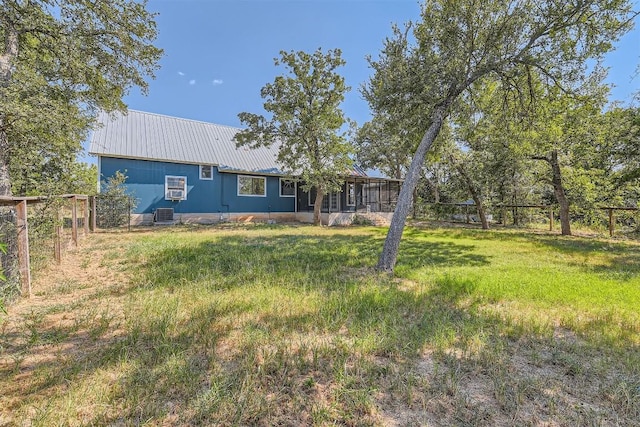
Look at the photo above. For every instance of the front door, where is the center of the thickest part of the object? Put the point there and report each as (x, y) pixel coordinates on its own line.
(331, 202)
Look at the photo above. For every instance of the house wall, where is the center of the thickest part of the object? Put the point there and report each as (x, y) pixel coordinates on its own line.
(146, 182)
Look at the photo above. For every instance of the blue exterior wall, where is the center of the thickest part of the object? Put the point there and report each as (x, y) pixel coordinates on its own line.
(146, 180)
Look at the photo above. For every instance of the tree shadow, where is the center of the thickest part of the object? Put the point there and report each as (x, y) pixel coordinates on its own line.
(201, 368)
(229, 261)
(619, 261)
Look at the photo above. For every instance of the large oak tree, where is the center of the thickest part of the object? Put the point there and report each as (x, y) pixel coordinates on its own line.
(60, 61)
(459, 42)
(305, 122)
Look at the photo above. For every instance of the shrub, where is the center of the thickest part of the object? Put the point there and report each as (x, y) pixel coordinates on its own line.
(114, 205)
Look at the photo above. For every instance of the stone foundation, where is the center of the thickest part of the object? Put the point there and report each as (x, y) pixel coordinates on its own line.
(331, 219)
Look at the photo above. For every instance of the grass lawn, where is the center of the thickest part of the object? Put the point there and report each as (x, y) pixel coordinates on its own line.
(290, 325)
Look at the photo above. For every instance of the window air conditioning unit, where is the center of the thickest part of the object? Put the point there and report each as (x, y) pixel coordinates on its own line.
(175, 194)
(163, 215)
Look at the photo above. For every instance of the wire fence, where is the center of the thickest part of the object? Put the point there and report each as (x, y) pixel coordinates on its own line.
(114, 210)
(44, 233)
(619, 221)
(10, 287)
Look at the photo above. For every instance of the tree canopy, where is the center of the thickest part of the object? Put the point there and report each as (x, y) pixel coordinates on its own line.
(306, 122)
(421, 74)
(61, 60)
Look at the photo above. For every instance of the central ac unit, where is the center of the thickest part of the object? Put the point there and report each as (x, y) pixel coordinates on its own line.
(163, 215)
(175, 194)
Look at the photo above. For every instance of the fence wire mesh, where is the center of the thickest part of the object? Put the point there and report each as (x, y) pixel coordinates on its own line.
(113, 210)
(10, 287)
(49, 221)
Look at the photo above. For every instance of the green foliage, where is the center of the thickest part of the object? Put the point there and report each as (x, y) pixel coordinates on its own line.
(61, 62)
(623, 140)
(114, 205)
(10, 284)
(423, 72)
(305, 120)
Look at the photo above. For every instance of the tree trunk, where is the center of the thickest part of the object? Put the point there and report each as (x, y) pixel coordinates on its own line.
(558, 190)
(317, 207)
(389, 253)
(5, 178)
(474, 194)
(6, 63)
(561, 197)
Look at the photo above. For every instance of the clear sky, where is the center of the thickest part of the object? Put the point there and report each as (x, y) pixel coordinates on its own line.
(219, 53)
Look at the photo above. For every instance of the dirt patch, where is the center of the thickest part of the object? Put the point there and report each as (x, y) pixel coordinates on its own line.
(76, 307)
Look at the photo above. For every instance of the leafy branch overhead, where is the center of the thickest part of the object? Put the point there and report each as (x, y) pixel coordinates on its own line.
(305, 121)
(61, 61)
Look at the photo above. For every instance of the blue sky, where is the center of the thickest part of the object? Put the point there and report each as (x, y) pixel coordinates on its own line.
(219, 53)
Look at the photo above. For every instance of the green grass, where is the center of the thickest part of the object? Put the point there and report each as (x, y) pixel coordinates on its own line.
(273, 325)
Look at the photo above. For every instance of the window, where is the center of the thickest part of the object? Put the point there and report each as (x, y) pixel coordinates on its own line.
(331, 202)
(351, 193)
(255, 186)
(175, 187)
(206, 172)
(312, 196)
(287, 188)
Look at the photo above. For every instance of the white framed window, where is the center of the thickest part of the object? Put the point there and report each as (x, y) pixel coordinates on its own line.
(351, 193)
(252, 186)
(206, 172)
(287, 188)
(175, 187)
(331, 202)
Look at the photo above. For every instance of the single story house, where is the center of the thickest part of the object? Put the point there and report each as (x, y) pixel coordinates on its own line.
(191, 171)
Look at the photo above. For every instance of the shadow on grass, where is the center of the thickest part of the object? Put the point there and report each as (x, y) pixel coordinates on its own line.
(231, 261)
(621, 261)
(244, 362)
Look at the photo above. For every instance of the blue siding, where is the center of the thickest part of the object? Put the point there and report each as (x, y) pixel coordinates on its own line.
(146, 181)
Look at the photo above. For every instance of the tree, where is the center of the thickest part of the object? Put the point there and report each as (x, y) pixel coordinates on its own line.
(543, 123)
(305, 123)
(460, 42)
(624, 139)
(462, 166)
(377, 147)
(115, 205)
(61, 61)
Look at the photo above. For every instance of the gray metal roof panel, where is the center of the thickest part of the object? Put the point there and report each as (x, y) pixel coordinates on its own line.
(151, 136)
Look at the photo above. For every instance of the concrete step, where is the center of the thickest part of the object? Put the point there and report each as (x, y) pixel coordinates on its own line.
(373, 218)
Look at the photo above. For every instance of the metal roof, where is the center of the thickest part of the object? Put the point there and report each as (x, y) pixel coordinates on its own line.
(148, 136)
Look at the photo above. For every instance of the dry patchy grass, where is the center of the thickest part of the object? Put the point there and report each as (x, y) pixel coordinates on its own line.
(290, 326)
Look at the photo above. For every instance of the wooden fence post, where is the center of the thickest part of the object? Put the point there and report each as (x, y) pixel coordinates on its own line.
(74, 220)
(57, 240)
(85, 207)
(611, 222)
(550, 219)
(23, 248)
(92, 219)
